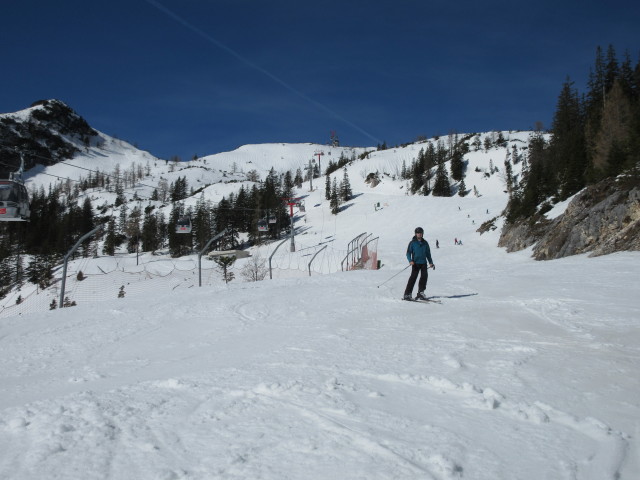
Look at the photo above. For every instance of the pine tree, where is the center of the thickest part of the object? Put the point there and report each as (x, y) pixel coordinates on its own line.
(287, 185)
(298, 178)
(538, 181)
(442, 187)
(457, 165)
(149, 233)
(462, 189)
(612, 71)
(179, 189)
(567, 147)
(594, 102)
(201, 221)
(86, 224)
(122, 220)
(111, 239)
(334, 203)
(5, 276)
(224, 264)
(242, 211)
(345, 188)
(327, 187)
(40, 270)
(133, 230)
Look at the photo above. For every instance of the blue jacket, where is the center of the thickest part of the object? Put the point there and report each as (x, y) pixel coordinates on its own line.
(419, 251)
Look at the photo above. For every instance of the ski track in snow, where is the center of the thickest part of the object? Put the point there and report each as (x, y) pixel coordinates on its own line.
(527, 370)
(247, 388)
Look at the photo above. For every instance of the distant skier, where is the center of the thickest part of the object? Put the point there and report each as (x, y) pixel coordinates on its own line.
(419, 257)
(437, 243)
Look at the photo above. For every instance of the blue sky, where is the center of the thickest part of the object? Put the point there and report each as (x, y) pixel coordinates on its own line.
(196, 77)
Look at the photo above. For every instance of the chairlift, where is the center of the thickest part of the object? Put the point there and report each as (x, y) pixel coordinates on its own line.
(14, 199)
(272, 219)
(263, 226)
(183, 225)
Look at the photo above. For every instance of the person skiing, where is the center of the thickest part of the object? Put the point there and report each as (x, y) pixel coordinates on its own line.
(419, 257)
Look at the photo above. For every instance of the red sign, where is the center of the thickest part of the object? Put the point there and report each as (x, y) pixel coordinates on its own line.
(3, 211)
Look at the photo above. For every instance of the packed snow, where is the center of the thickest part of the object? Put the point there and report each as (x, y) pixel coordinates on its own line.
(524, 370)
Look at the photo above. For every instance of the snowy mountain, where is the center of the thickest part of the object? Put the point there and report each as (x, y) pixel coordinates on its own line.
(524, 370)
(371, 211)
(47, 132)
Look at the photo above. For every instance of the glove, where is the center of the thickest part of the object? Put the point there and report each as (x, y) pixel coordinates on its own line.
(433, 266)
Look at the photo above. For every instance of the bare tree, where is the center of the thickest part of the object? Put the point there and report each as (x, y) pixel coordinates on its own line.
(255, 269)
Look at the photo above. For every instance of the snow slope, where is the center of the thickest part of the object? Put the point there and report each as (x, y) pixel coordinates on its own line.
(526, 370)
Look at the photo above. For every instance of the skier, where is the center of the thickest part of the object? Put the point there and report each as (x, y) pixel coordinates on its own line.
(418, 254)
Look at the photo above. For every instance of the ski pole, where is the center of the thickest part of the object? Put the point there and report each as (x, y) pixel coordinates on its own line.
(394, 275)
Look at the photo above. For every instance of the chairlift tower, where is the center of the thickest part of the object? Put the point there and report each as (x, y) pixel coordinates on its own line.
(291, 202)
(335, 142)
(310, 168)
(319, 154)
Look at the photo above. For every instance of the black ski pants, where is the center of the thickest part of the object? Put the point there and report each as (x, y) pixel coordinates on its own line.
(423, 270)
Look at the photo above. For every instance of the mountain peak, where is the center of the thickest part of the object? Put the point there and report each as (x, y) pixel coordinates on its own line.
(45, 133)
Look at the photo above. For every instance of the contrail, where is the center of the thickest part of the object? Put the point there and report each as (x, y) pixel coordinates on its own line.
(247, 62)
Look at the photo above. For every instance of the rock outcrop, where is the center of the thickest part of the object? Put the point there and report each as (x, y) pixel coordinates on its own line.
(604, 218)
(47, 132)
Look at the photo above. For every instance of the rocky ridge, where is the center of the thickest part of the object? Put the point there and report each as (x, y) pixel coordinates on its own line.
(603, 218)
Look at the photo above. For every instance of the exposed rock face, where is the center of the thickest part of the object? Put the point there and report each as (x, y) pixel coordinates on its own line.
(602, 219)
(46, 133)
(372, 179)
(522, 235)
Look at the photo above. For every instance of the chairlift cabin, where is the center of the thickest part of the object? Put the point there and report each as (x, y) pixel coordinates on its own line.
(272, 219)
(14, 199)
(183, 225)
(263, 226)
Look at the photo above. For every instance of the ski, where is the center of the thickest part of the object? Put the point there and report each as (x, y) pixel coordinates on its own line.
(417, 300)
(428, 300)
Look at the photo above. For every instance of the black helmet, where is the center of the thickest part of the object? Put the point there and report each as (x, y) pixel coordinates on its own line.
(419, 230)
